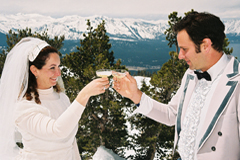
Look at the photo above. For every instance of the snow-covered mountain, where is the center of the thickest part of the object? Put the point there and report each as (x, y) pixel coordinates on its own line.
(140, 44)
(73, 26)
(232, 27)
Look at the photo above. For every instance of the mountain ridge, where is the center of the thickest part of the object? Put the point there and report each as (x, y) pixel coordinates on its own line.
(73, 27)
(140, 44)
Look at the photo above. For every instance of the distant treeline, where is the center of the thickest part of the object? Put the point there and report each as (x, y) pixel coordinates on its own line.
(145, 73)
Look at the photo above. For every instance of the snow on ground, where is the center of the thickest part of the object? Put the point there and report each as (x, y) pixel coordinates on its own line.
(105, 154)
(140, 79)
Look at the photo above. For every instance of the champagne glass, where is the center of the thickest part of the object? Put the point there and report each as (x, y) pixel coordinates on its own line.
(119, 73)
(104, 73)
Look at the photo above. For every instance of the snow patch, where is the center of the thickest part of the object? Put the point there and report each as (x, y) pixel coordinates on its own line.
(106, 154)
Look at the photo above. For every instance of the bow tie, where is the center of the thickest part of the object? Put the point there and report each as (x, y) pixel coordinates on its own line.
(203, 75)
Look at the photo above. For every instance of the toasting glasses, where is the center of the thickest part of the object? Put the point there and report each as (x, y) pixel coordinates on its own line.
(118, 73)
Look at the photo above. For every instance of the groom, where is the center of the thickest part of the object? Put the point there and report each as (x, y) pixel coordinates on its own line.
(206, 108)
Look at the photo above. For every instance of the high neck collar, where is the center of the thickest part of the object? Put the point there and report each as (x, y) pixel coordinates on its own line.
(45, 91)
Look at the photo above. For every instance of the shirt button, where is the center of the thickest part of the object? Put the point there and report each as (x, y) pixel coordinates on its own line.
(220, 133)
(213, 148)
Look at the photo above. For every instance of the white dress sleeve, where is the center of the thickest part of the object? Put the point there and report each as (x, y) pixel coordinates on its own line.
(75, 150)
(35, 119)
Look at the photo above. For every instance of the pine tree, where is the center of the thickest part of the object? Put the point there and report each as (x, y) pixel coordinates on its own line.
(171, 37)
(13, 38)
(155, 140)
(227, 50)
(102, 122)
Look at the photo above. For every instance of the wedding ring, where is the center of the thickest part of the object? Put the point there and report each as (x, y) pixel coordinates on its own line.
(104, 88)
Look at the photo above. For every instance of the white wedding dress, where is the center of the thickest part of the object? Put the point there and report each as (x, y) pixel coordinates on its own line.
(48, 130)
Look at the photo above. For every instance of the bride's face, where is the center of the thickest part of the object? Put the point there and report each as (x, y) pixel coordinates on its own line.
(47, 76)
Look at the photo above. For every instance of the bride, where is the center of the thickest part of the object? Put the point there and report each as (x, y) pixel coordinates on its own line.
(33, 104)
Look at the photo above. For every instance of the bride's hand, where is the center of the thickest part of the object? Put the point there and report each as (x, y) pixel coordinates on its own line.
(95, 87)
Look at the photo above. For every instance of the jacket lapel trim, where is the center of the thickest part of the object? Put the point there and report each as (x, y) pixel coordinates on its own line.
(233, 85)
(220, 110)
(235, 69)
(189, 77)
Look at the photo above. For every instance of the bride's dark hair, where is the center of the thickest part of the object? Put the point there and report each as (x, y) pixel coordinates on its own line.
(39, 62)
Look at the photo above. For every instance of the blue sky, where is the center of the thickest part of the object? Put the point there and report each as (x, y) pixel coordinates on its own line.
(143, 9)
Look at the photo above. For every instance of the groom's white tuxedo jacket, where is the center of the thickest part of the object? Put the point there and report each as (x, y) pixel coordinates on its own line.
(220, 134)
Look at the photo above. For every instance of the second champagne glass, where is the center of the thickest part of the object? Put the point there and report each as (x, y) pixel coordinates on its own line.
(119, 73)
(104, 73)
